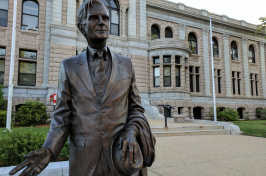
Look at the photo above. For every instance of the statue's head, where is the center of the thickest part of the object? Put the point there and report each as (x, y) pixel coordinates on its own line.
(93, 22)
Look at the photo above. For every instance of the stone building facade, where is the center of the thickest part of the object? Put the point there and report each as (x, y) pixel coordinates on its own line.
(169, 44)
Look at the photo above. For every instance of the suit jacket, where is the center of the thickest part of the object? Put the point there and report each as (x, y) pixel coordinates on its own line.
(92, 125)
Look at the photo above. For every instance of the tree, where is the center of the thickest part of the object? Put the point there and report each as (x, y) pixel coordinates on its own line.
(262, 26)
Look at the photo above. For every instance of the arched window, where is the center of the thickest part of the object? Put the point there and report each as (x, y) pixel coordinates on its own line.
(113, 8)
(234, 55)
(30, 15)
(3, 12)
(155, 32)
(168, 33)
(251, 54)
(215, 47)
(192, 42)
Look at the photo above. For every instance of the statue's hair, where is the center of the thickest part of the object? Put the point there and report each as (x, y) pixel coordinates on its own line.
(83, 10)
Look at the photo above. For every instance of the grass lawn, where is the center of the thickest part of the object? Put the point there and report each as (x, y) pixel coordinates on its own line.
(252, 127)
(42, 130)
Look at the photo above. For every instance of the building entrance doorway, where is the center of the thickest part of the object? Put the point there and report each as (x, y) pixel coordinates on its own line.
(197, 113)
(240, 113)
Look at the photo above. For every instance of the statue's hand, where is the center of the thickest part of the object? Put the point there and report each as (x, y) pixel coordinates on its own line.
(129, 141)
(35, 162)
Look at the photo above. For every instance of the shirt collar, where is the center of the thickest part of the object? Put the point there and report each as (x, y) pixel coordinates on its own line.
(93, 51)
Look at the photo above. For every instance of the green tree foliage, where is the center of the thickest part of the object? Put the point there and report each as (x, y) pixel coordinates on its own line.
(262, 26)
(33, 112)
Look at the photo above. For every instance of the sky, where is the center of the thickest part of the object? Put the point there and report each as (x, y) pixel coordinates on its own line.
(247, 10)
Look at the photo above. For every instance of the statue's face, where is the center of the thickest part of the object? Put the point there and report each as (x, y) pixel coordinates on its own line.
(97, 23)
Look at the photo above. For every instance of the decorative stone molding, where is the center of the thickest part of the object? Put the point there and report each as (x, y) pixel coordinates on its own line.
(181, 6)
(243, 23)
(204, 12)
(244, 40)
(182, 27)
(224, 17)
(226, 36)
(262, 44)
(205, 31)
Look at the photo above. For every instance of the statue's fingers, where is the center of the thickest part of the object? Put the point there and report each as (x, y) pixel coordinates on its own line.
(120, 143)
(26, 172)
(135, 152)
(37, 169)
(19, 167)
(124, 150)
(131, 148)
(31, 172)
(31, 154)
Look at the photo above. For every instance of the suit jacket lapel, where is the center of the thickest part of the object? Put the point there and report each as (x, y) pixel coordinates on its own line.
(84, 73)
(115, 74)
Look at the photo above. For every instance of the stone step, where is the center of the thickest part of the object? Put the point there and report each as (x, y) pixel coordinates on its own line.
(185, 128)
(190, 133)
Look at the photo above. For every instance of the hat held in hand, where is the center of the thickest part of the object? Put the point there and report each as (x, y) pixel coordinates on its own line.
(125, 167)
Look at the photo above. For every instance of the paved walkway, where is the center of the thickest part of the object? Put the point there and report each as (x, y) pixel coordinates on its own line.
(170, 123)
(209, 155)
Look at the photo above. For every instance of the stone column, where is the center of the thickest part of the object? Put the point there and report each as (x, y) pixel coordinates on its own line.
(142, 19)
(246, 69)
(48, 21)
(182, 32)
(206, 62)
(227, 69)
(57, 12)
(263, 73)
(123, 9)
(132, 27)
(71, 13)
(80, 2)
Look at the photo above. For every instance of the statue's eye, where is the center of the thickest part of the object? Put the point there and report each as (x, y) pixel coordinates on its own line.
(105, 18)
(93, 17)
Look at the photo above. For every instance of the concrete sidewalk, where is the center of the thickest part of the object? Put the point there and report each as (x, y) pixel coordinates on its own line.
(209, 155)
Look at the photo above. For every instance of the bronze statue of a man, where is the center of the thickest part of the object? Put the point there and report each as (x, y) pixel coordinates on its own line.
(98, 107)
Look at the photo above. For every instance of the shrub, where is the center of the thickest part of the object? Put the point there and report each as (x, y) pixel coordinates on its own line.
(228, 114)
(14, 145)
(261, 113)
(3, 102)
(3, 117)
(33, 112)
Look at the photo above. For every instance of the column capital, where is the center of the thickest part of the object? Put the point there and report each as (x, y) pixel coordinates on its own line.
(182, 26)
(245, 40)
(262, 44)
(205, 31)
(226, 36)
(124, 8)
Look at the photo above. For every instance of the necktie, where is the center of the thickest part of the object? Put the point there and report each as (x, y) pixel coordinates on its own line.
(99, 71)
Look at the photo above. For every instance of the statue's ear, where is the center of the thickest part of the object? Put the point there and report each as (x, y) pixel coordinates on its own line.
(81, 29)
